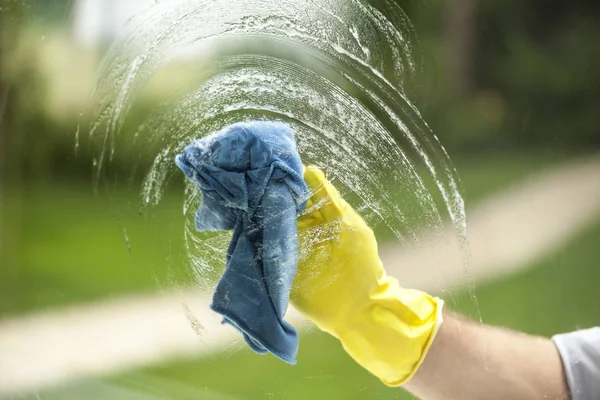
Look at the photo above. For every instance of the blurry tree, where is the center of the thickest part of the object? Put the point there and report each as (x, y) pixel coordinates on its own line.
(459, 39)
(498, 74)
(505, 74)
(12, 16)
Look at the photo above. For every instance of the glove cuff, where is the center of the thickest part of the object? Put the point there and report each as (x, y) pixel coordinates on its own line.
(439, 319)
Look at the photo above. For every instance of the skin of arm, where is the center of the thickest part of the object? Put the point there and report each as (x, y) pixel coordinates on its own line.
(469, 360)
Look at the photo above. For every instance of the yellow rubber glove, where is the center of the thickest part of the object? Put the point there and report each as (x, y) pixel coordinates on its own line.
(342, 287)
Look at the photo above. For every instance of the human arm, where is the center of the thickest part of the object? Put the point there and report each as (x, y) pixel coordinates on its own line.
(469, 360)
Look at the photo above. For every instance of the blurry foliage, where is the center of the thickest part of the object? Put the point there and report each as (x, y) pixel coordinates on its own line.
(533, 81)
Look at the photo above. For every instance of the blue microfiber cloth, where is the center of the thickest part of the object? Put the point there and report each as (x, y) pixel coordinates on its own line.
(250, 175)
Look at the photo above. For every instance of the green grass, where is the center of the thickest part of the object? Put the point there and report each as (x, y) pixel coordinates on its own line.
(68, 245)
(557, 294)
(63, 245)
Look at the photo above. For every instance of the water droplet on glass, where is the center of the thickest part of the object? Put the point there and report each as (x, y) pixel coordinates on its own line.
(77, 140)
(126, 239)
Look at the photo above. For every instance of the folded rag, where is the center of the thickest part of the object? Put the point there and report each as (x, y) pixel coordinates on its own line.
(250, 175)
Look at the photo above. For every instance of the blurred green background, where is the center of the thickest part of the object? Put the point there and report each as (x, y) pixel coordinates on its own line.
(510, 87)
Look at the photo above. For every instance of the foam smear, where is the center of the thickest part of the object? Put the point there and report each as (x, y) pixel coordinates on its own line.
(334, 70)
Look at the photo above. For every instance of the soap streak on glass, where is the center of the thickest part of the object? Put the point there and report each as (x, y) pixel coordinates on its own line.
(336, 71)
(126, 239)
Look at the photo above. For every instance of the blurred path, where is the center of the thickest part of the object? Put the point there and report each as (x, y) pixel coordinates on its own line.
(507, 232)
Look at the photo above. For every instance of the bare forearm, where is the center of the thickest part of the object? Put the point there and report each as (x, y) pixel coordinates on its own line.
(472, 361)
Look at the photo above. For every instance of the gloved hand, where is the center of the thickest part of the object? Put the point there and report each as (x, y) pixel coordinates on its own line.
(342, 287)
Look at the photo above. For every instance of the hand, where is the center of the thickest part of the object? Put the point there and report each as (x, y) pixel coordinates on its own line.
(342, 287)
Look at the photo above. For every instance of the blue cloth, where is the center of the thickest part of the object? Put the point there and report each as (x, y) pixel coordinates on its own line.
(250, 175)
